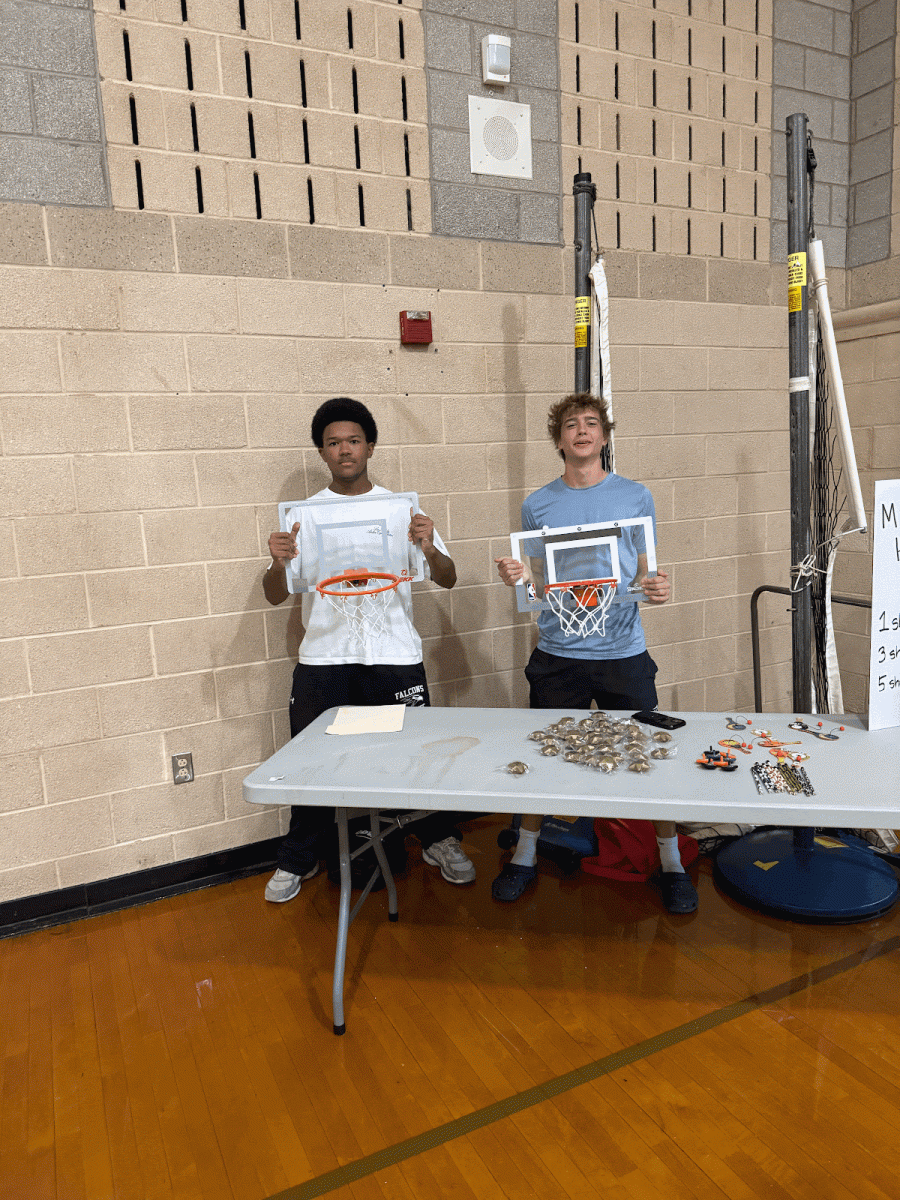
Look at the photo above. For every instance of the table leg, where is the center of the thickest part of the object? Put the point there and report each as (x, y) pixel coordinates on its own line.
(340, 951)
(375, 819)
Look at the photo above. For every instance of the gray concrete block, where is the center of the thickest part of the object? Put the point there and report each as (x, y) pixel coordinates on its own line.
(47, 37)
(450, 157)
(111, 241)
(872, 69)
(448, 44)
(826, 74)
(540, 219)
(869, 243)
(448, 103)
(787, 66)
(544, 168)
(834, 161)
(544, 112)
(875, 23)
(38, 169)
(538, 16)
(786, 101)
(802, 23)
(66, 108)
(871, 199)
(245, 248)
(778, 202)
(843, 33)
(495, 12)
(871, 156)
(840, 120)
(873, 112)
(837, 204)
(777, 241)
(337, 255)
(834, 243)
(22, 235)
(15, 102)
(474, 212)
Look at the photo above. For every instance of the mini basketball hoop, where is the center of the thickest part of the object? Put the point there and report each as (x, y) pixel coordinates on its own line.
(581, 607)
(361, 598)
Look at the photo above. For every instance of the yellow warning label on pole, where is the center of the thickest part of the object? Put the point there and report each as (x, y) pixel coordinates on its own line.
(797, 270)
(582, 310)
(581, 336)
(795, 299)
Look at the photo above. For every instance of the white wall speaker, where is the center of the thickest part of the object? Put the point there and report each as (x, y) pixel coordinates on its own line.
(499, 138)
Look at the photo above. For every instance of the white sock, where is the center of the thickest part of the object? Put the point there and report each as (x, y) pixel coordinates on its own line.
(526, 850)
(669, 856)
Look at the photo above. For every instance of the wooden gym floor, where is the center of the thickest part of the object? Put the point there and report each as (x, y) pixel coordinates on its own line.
(581, 1043)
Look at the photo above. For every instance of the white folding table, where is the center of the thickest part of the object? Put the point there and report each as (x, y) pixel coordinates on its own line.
(456, 759)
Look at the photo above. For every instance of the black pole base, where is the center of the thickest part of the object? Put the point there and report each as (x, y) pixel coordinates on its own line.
(837, 881)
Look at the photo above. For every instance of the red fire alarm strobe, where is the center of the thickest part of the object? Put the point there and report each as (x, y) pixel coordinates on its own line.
(415, 328)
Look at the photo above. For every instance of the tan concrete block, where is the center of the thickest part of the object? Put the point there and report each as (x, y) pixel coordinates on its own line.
(485, 514)
(749, 368)
(729, 615)
(41, 299)
(698, 660)
(703, 325)
(242, 364)
(223, 128)
(33, 722)
(724, 535)
(82, 660)
(28, 881)
(30, 361)
(329, 139)
(35, 485)
(148, 104)
(733, 283)
(156, 703)
(440, 369)
(22, 238)
(116, 860)
(485, 317)
(374, 312)
(446, 468)
(886, 448)
(756, 569)
(95, 768)
(522, 369)
(61, 424)
(181, 304)
(198, 422)
(333, 255)
(547, 319)
(474, 560)
(108, 240)
(291, 308)
(40, 835)
(870, 284)
(158, 56)
(668, 277)
(405, 151)
(515, 464)
(212, 642)
(235, 248)
(251, 477)
(282, 190)
(274, 72)
(153, 594)
(32, 606)
(281, 420)
(201, 535)
(763, 492)
(679, 541)
(152, 811)
(236, 587)
(91, 543)
(887, 357)
(169, 183)
(668, 624)
(485, 419)
(511, 648)
(257, 687)
(763, 327)
(637, 322)
(101, 362)
(126, 482)
(667, 367)
(479, 608)
(13, 669)
(459, 656)
(519, 269)
(704, 581)
(284, 630)
(210, 839)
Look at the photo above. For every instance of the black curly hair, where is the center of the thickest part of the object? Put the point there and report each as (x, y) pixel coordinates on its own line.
(342, 408)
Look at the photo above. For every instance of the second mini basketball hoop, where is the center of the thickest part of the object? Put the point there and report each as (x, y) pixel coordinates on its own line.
(361, 599)
(581, 608)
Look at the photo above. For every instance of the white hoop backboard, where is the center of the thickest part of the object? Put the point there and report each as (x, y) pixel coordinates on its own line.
(574, 552)
(359, 533)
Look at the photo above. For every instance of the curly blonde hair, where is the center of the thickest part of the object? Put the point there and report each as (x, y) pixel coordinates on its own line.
(577, 402)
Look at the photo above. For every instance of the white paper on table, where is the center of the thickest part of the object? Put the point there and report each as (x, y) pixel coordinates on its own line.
(381, 718)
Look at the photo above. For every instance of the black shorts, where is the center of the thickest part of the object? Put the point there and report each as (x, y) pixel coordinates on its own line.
(574, 682)
(316, 689)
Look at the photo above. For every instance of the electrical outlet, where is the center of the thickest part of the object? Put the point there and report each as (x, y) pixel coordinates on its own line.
(182, 768)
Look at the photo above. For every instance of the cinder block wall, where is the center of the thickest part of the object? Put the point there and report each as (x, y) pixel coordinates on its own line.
(163, 363)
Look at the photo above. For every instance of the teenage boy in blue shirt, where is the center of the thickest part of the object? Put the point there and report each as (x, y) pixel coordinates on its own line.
(614, 670)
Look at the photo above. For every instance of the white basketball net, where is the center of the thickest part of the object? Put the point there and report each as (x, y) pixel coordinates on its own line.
(582, 608)
(365, 613)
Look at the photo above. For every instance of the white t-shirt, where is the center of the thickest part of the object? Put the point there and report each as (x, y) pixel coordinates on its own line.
(327, 640)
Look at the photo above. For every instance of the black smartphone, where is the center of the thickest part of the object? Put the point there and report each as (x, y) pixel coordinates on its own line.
(658, 718)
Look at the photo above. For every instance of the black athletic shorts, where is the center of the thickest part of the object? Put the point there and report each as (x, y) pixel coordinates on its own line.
(557, 682)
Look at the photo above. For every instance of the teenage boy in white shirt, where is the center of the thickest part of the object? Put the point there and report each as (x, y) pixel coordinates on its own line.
(333, 670)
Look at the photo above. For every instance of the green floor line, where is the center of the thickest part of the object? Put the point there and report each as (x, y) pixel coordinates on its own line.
(461, 1126)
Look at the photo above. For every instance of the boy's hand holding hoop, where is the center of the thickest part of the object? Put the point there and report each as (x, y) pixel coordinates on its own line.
(656, 587)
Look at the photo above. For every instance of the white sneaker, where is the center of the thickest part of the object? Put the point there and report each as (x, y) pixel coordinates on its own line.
(449, 856)
(284, 886)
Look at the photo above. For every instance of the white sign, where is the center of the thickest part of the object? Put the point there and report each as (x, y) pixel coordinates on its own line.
(884, 668)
